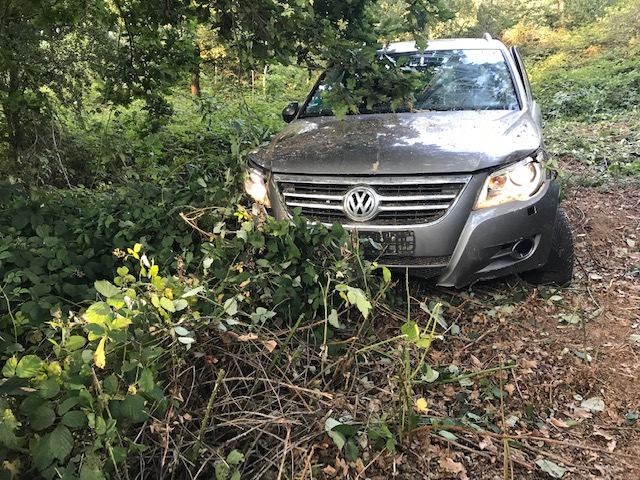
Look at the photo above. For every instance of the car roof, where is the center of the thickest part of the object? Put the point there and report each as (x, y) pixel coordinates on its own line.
(444, 44)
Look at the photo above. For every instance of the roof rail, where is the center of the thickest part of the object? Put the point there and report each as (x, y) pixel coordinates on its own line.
(487, 36)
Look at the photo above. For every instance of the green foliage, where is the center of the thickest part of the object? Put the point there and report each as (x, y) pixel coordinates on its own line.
(78, 376)
(55, 243)
(606, 84)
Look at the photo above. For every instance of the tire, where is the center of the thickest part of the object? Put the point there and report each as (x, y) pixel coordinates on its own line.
(559, 267)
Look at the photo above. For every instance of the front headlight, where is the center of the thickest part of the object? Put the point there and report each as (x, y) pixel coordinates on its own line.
(519, 181)
(256, 185)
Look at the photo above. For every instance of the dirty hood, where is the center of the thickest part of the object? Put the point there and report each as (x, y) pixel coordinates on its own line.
(402, 143)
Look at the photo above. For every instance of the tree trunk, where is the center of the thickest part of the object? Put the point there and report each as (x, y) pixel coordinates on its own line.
(195, 73)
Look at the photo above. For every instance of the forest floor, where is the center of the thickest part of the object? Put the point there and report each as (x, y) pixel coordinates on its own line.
(563, 403)
(570, 409)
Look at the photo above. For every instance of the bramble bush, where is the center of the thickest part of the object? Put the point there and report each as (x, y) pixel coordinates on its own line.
(82, 377)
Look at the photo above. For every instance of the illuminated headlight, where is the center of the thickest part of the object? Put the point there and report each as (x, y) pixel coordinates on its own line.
(519, 181)
(256, 185)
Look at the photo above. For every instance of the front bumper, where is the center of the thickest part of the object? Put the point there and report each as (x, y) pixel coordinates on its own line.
(485, 246)
(466, 245)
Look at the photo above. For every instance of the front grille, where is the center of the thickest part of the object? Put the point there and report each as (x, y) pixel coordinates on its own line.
(402, 200)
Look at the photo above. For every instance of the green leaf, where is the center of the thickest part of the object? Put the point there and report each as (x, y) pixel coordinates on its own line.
(61, 442)
(430, 375)
(447, 435)
(106, 288)
(42, 453)
(551, 468)
(28, 366)
(180, 304)
(386, 274)
(75, 342)
(235, 457)
(181, 331)
(91, 472)
(338, 438)
(571, 319)
(133, 407)
(49, 388)
(75, 419)
(8, 426)
(333, 318)
(121, 323)
(146, 382)
(411, 330)
(42, 418)
(167, 304)
(98, 313)
(231, 306)
(192, 292)
(9, 369)
(68, 404)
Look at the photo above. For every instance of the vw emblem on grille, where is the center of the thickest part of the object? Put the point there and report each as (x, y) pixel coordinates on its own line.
(361, 203)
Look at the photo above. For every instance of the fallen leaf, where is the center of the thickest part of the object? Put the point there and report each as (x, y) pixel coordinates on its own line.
(453, 467)
(329, 471)
(557, 423)
(270, 345)
(593, 404)
(248, 337)
(602, 434)
(528, 363)
(553, 469)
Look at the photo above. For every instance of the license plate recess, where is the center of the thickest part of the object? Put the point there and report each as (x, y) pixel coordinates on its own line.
(388, 243)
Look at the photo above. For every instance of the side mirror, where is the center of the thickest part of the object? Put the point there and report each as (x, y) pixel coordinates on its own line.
(290, 111)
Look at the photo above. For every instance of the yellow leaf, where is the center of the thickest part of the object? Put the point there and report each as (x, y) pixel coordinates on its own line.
(421, 405)
(55, 368)
(100, 357)
(153, 271)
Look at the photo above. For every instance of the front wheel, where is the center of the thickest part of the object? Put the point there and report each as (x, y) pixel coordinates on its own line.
(559, 267)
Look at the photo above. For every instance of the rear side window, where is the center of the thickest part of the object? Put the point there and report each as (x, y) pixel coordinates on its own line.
(448, 80)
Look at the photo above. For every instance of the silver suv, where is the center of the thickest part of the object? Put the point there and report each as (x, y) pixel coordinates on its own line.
(453, 188)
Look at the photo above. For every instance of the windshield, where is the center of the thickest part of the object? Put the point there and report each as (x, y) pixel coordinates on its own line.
(444, 80)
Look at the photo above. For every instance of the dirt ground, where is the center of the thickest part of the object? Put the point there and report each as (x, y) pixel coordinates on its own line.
(583, 411)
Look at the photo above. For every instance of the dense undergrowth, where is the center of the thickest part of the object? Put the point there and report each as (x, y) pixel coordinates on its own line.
(128, 256)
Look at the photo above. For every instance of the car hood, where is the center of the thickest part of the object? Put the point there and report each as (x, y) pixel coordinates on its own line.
(401, 143)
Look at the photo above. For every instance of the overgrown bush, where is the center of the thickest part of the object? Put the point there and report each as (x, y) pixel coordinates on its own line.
(80, 381)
